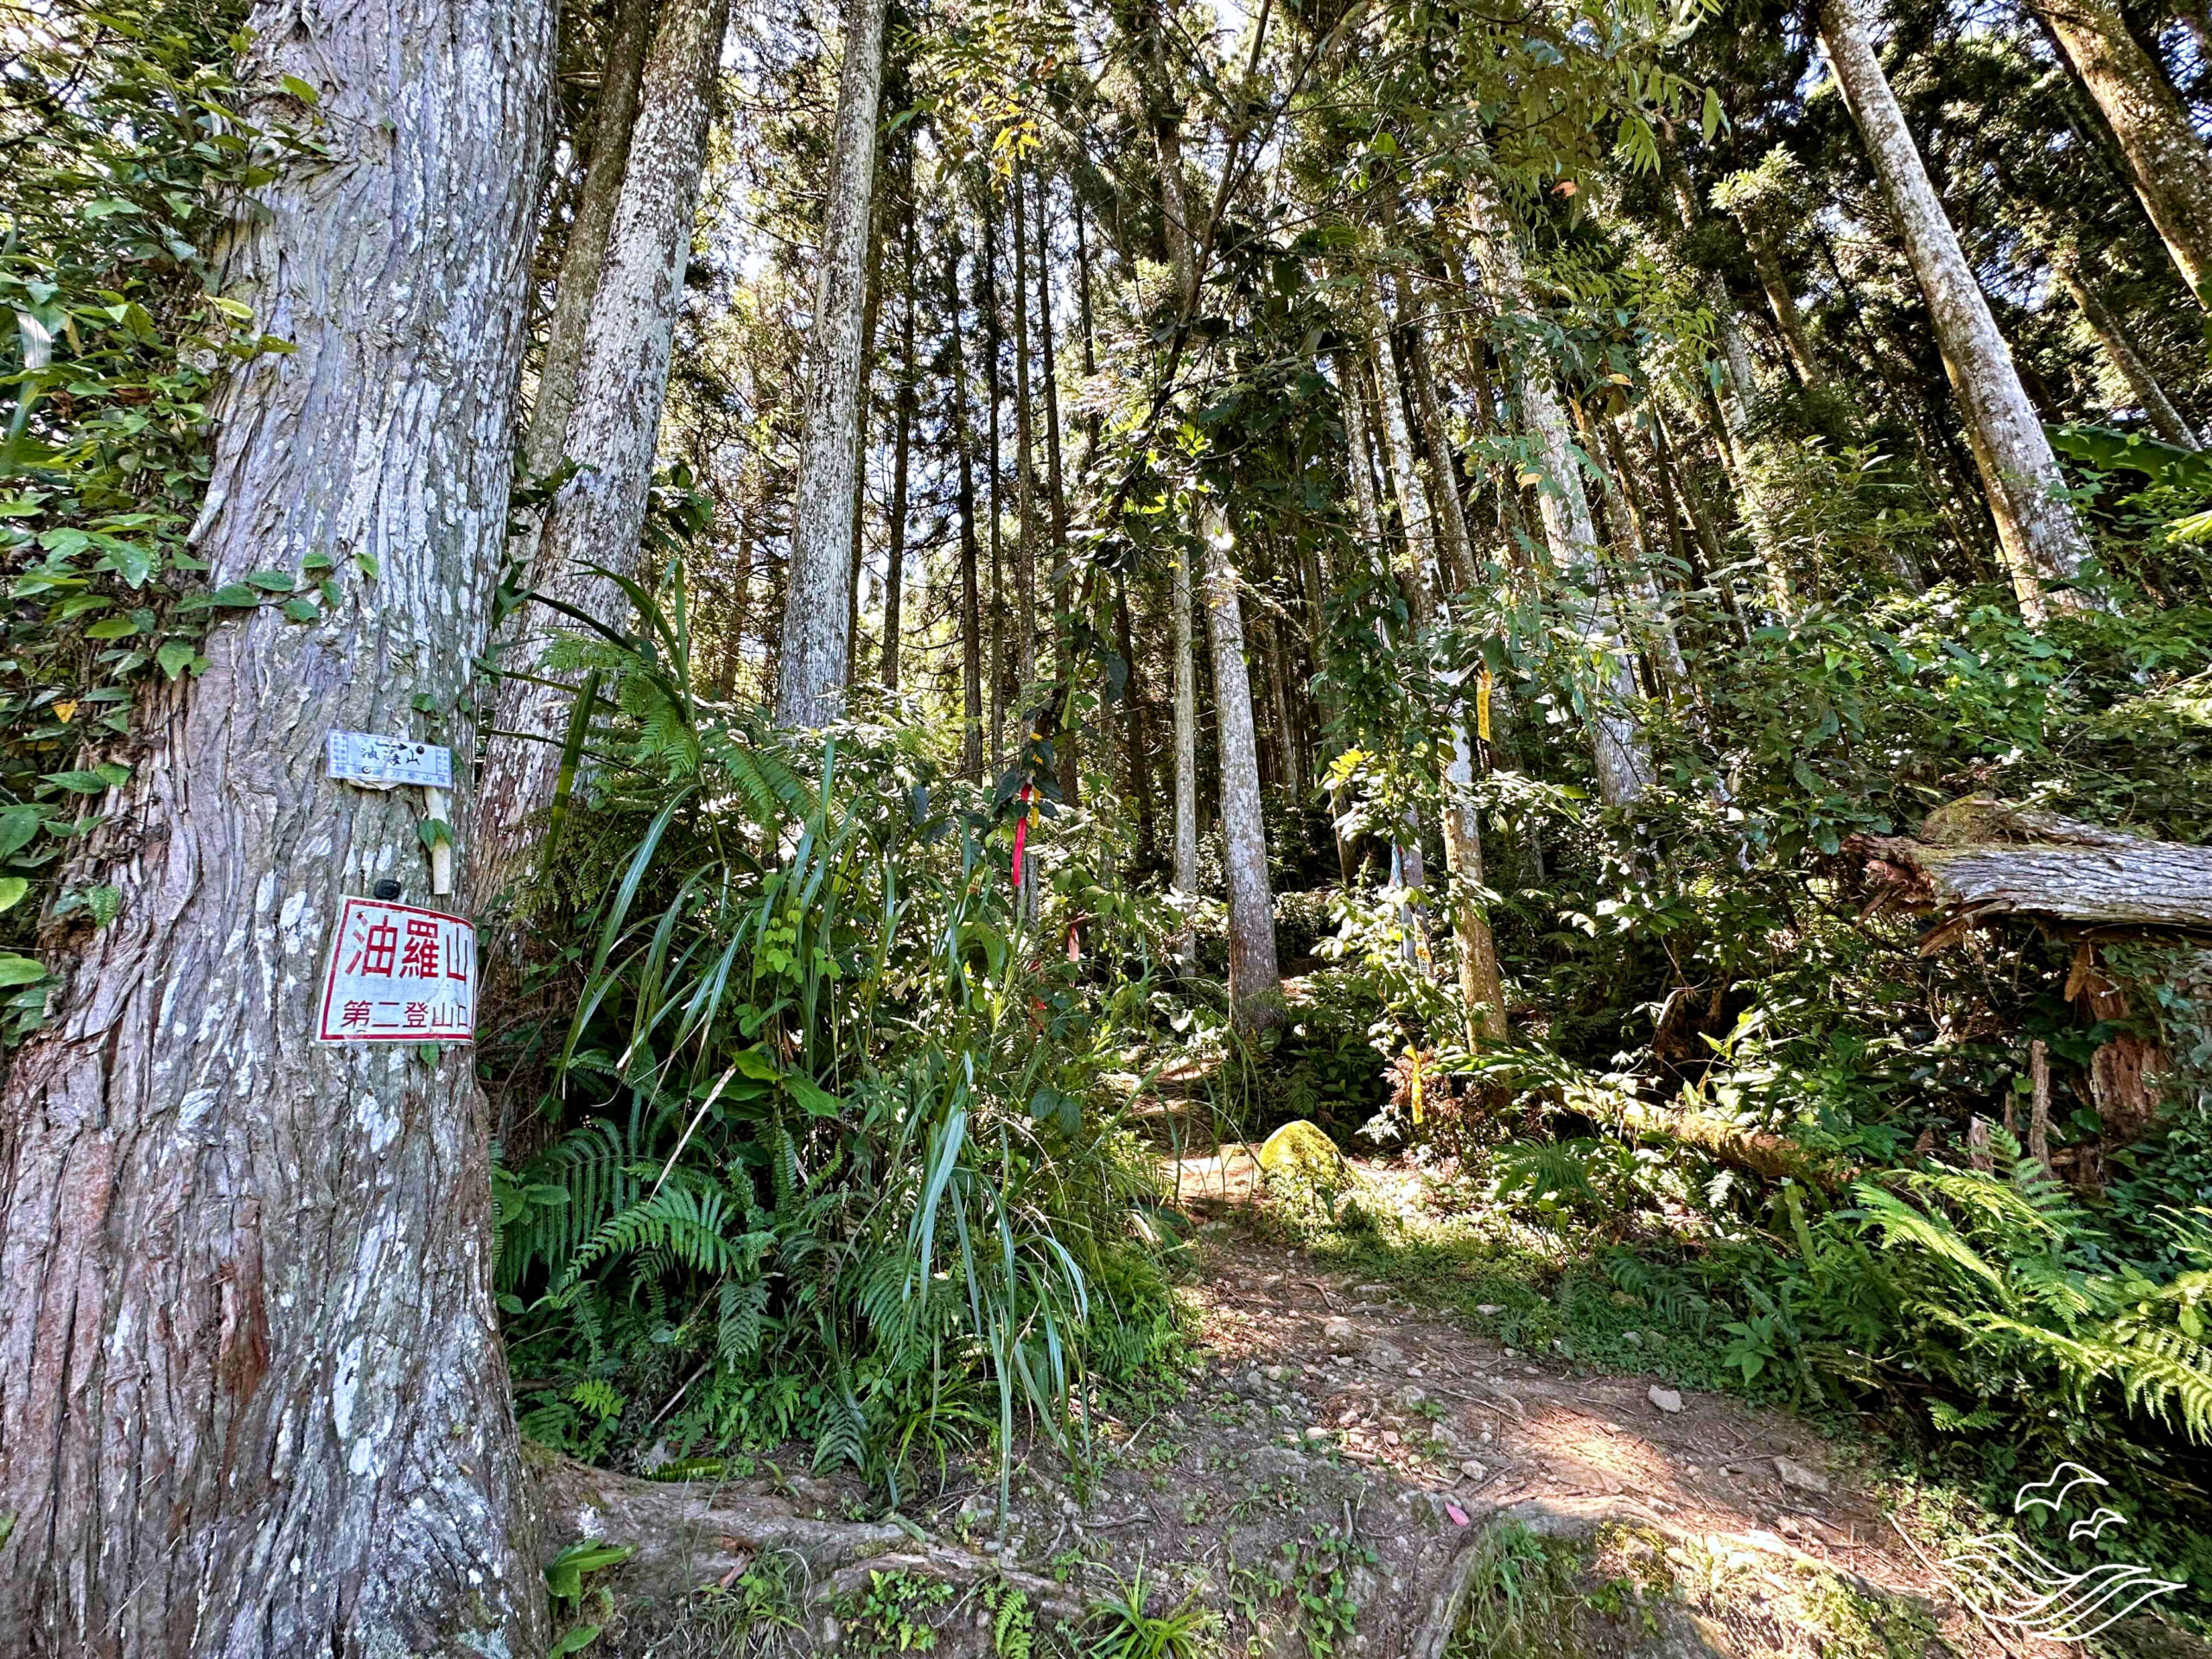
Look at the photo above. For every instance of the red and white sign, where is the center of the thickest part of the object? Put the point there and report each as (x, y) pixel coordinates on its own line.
(399, 975)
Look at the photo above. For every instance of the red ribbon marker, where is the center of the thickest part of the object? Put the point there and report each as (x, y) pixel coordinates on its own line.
(1020, 840)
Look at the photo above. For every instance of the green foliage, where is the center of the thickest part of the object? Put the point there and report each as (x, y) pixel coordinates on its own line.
(129, 171)
(835, 1160)
(1120, 1625)
(564, 1582)
(893, 1613)
(1522, 1597)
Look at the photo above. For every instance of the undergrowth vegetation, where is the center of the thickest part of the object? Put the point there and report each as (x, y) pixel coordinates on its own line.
(824, 1150)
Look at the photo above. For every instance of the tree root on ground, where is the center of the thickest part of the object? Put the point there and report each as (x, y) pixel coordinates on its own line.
(688, 1536)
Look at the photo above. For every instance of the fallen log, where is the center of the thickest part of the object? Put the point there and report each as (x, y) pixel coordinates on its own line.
(1772, 1157)
(1981, 857)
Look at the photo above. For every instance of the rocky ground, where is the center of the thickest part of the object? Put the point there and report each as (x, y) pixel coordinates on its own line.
(1333, 1479)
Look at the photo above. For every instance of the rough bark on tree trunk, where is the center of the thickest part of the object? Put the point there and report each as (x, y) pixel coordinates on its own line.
(2043, 540)
(2167, 164)
(1255, 984)
(251, 1398)
(585, 252)
(1622, 760)
(621, 385)
(810, 679)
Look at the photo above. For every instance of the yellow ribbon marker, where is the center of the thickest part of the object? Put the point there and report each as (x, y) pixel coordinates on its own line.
(1482, 706)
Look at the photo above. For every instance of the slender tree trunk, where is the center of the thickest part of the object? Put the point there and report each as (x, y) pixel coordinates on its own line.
(972, 620)
(1766, 260)
(1416, 524)
(992, 330)
(2165, 419)
(1254, 985)
(1623, 761)
(600, 517)
(2042, 539)
(863, 419)
(2167, 164)
(1674, 472)
(1082, 298)
(1463, 846)
(251, 1398)
(1064, 743)
(1288, 747)
(1025, 466)
(1651, 625)
(1140, 769)
(585, 252)
(1187, 754)
(740, 610)
(1351, 398)
(1735, 403)
(1455, 548)
(1166, 112)
(810, 679)
(894, 567)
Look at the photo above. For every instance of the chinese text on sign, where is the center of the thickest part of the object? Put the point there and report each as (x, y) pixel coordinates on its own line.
(399, 975)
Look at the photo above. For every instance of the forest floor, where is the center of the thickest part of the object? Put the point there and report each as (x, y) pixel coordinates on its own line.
(1333, 1465)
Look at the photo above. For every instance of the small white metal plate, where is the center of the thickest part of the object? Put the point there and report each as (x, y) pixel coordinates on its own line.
(365, 758)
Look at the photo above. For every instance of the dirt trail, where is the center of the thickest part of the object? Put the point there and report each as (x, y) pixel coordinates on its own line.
(1332, 1459)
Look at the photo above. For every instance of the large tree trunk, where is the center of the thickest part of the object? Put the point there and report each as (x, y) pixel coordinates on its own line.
(251, 1399)
(2166, 162)
(2165, 420)
(1254, 985)
(598, 517)
(585, 252)
(810, 677)
(1622, 760)
(2041, 537)
(971, 617)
